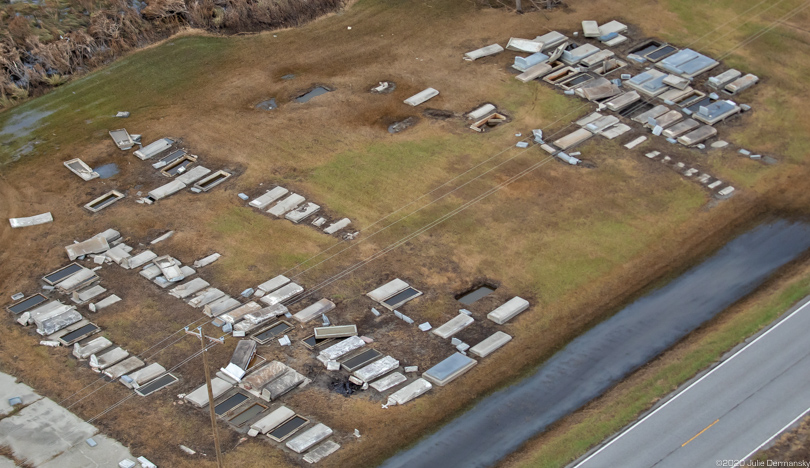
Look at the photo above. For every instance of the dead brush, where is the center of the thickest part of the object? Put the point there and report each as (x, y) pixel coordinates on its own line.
(35, 60)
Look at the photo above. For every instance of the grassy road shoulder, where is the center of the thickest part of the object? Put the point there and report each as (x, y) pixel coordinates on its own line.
(575, 435)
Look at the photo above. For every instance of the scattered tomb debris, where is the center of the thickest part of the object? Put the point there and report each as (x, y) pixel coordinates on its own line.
(404, 124)
(153, 149)
(490, 121)
(384, 87)
(31, 220)
(122, 139)
(103, 201)
(78, 167)
(483, 52)
(421, 97)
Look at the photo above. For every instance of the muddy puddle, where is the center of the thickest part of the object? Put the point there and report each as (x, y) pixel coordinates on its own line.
(476, 293)
(106, 171)
(603, 356)
(269, 104)
(23, 123)
(312, 93)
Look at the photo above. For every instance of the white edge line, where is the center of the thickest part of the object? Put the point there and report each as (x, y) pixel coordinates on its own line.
(742, 460)
(692, 385)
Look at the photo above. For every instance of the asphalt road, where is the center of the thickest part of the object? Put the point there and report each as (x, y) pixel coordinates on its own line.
(599, 358)
(729, 413)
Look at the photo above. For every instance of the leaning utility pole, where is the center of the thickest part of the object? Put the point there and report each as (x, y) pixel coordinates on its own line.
(199, 334)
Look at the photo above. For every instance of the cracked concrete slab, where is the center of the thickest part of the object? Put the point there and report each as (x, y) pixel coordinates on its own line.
(9, 388)
(108, 452)
(42, 431)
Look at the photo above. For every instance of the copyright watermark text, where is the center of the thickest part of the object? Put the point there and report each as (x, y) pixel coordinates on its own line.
(762, 463)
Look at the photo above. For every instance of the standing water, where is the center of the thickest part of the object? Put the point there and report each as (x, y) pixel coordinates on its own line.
(106, 171)
(600, 358)
(311, 94)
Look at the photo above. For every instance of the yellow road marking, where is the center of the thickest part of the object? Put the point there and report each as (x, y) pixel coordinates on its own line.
(701, 432)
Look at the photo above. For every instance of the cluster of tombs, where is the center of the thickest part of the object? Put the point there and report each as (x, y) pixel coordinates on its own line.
(292, 207)
(653, 84)
(248, 391)
(61, 324)
(173, 162)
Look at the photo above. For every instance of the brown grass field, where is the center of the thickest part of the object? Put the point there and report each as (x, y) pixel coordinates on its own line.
(577, 243)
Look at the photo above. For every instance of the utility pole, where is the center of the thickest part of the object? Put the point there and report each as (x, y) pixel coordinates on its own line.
(199, 334)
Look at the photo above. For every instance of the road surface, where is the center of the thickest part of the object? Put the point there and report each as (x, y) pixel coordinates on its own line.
(728, 414)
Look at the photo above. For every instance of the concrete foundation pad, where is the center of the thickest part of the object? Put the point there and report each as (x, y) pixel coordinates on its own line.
(42, 431)
(107, 452)
(9, 388)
